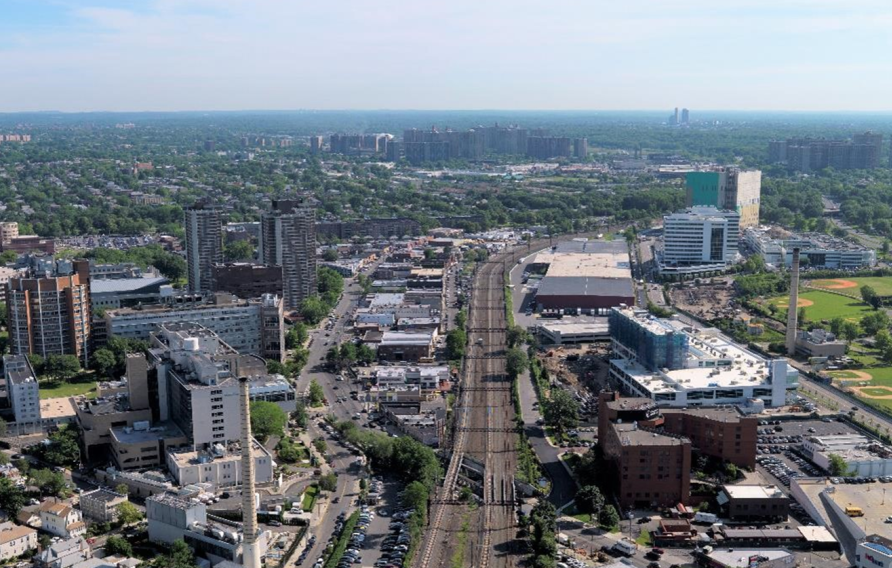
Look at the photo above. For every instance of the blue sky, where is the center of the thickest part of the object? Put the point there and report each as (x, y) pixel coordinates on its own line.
(85, 55)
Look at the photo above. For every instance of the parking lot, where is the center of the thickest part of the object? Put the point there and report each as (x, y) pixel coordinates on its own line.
(778, 449)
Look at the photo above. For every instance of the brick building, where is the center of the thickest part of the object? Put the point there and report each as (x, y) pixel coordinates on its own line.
(247, 280)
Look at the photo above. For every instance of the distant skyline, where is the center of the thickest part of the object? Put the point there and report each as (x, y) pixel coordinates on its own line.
(172, 55)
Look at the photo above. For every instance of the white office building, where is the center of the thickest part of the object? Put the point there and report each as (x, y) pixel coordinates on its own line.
(699, 240)
(219, 466)
(821, 251)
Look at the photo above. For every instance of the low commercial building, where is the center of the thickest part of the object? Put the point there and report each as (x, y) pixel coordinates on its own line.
(101, 505)
(863, 457)
(428, 377)
(587, 275)
(819, 343)
(558, 332)
(822, 251)
(16, 540)
(220, 466)
(61, 519)
(677, 365)
(406, 346)
(875, 551)
(144, 445)
(754, 503)
(753, 558)
(139, 483)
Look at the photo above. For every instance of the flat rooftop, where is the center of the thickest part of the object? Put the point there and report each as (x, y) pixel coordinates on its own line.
(753, 491)
(57, 408)
(868, 496)
(188, 457)
(632, 435)
(405, 338)
(738, 558)
(602, 265)
(571, 328)
(160, 431)
(575, 285)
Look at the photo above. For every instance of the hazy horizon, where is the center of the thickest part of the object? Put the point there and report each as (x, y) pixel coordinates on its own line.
(278, 55)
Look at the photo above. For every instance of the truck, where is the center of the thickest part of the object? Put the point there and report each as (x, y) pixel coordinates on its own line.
(705, 518)
(626, 547)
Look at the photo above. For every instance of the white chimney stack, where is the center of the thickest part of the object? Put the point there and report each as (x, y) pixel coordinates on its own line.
(793, 310)
(250, 548)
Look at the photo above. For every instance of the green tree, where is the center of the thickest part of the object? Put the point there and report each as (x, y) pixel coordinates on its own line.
(171, 266)
(516, 361)
(49, 482)
(456, 340)
(316, 394)
(267, 419)
(300, 415)
(461, 319)
(274, 367)
(874, 321)
(838, 466)
(128, 514)
(104, 362)
(8, 256)
(850, 331)
(321, 445)
(589, 499)
(543, 519)
(179, 556)
(803, 318)
(313, 310)
(330, 255)
(12, 497)
(609, 518)
(836, 326)
(415, 496)
(118, 545)
(122, 489)
(238, 251)
(561, 411)
(365, 354)
(297, 335)
(63, 449)
(516, 336)
(62, 367)
(328, 482)
(869, 295)
(883, 340)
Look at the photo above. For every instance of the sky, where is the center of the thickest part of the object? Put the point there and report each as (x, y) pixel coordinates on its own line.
(169, 55)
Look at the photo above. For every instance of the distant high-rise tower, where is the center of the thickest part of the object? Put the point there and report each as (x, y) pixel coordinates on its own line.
(204, 245)
(685, 116)
(251, 548)
(288, 239)
(315, 144)
(793, 310)
(675, 116)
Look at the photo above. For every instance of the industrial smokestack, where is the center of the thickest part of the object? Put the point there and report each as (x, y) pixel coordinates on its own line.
(793, 310)
(250, 548)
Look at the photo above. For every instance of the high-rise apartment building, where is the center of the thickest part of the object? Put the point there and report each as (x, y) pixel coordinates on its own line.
(685, 116)
(49, 313)
(727, 188)
(547, 147)
(580, 148)
(204, 245)
(315, 144)
(805, 154)
(288, 239)
(23, 390)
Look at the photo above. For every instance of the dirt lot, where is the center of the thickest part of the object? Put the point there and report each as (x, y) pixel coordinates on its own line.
(708, 299)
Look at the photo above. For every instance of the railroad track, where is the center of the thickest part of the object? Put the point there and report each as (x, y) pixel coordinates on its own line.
(484, 430)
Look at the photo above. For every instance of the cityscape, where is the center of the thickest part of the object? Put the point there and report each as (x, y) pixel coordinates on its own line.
(463, 286)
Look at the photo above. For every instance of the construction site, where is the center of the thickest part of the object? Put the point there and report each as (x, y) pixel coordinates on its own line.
(706, 299)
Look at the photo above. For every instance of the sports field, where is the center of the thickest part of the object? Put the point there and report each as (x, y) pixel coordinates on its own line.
(826, 306)
(872, 385)
(852, 286)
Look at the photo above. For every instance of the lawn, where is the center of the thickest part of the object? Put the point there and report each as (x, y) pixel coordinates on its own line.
(60, 389)
(644, 539)
(878, 391)
(310, 496)
(825, 306)
(843, 374)
(882, 285)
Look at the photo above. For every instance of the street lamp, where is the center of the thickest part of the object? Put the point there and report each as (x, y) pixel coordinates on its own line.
(630, 523)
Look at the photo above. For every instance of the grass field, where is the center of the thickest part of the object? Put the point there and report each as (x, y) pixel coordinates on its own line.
(882, 285)
(310, 496)
(843, 374)
(58, 390)
(826, 306)
(876, 391)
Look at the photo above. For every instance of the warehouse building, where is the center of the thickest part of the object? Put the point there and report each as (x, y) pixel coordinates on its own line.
(584, 275)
